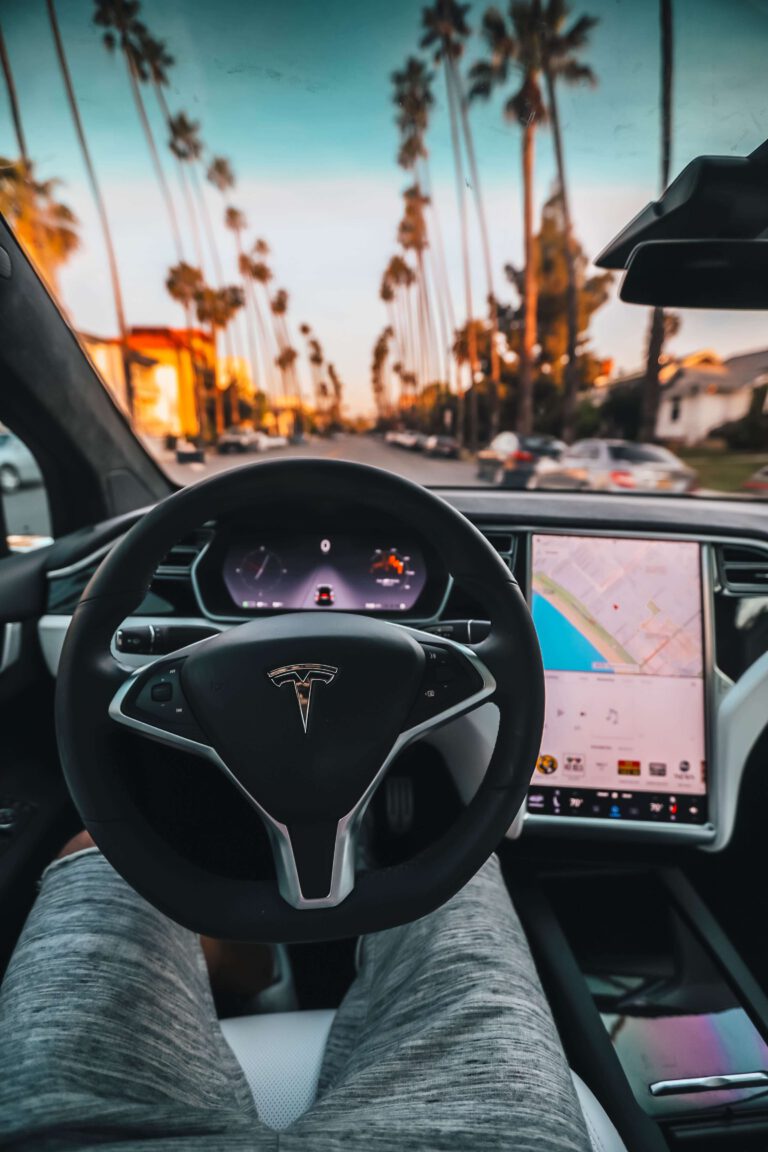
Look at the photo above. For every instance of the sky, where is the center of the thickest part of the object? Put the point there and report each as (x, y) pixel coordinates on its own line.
(297, 95)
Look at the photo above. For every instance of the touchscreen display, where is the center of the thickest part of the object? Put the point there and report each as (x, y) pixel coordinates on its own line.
(620, 626)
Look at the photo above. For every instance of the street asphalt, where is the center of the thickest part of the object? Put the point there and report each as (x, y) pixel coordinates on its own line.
(362, 449)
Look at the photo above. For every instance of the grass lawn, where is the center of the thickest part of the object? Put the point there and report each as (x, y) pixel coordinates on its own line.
(726, 471)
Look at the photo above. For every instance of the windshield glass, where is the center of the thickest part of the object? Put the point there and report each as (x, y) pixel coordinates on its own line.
(366, 231)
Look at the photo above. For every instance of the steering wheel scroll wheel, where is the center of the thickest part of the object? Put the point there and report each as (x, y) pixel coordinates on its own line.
(302, 712)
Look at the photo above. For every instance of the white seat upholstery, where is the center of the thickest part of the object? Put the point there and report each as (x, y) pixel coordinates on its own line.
(281, 1054)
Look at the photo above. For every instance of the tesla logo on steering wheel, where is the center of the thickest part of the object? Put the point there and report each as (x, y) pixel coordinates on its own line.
(303, 676)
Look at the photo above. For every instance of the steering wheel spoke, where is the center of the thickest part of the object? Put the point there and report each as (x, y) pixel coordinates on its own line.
(455, 681)
(152, 703)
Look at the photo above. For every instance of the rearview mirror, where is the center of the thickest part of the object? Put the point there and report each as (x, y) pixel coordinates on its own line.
(698, 274)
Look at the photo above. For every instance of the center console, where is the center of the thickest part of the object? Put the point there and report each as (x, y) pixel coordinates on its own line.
(656, 1010)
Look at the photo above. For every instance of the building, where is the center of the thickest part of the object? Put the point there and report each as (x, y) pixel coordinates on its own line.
(704, 392)
(172, 375)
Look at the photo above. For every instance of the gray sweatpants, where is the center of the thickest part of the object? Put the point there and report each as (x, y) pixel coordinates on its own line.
(109, 1039)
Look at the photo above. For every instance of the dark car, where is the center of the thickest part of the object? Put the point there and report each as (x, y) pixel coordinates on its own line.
(512, 461)
(445, 446)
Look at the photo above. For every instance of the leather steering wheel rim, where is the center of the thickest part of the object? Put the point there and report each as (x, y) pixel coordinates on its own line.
(90, 680)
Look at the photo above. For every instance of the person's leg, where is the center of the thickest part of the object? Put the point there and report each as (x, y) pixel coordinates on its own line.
(445, 1041)
(107, 1027)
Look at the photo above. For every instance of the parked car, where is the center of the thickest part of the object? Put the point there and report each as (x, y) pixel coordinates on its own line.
(445, 446)
(17, 464)
(757, 482)
(240, 438)
(618, 466)
(187, 452)
(407, 438)
(243, 438)
(512, 461)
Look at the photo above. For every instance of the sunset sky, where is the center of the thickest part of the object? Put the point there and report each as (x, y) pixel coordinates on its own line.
(297, 95)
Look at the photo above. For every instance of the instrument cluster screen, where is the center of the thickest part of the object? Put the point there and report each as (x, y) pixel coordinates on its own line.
(353, 574)
(620, 626)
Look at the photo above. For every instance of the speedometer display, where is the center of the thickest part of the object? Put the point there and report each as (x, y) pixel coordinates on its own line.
(353, 574)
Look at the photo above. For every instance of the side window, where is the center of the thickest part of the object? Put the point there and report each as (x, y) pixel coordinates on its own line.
(25, 501)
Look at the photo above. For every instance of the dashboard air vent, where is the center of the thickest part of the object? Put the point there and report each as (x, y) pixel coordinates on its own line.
(505, 543)
(744, 569)
(178, 563)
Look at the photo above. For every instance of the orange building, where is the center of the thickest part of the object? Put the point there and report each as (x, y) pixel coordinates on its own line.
(172, 371)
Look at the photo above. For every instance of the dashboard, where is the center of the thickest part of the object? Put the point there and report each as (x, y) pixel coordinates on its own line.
(654, 638)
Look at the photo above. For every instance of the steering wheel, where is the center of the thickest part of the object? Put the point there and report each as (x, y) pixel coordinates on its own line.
(302, 712)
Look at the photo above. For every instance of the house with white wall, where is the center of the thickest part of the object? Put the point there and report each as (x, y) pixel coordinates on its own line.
(705, 391)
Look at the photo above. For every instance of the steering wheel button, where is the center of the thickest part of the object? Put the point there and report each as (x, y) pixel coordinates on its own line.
(161, 692)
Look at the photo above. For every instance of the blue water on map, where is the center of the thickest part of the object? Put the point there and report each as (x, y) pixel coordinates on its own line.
(563, 647)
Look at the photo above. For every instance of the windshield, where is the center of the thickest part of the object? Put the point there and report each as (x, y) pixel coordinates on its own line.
(366, 231)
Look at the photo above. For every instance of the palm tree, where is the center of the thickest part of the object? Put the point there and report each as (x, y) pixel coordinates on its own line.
(451, 14)
(114, 275)
(46, 228)
(256, 271)
(379, 382)
(413, 98)
(236, 222)
(187, 146)
(517, 48)
(316, 360)
(259, 272)
(337, 393)
(656, 333)
(445, 32)
(279, 309)
(124, 32)
(412, 237)
(221, 174)
(184, 284)
(400, 277)
(560, 62)
(216, 307)
(158, 61)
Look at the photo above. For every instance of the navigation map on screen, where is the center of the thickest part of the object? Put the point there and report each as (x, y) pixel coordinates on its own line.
(620, 627)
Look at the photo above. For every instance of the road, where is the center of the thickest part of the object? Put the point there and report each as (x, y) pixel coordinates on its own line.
(362, 449)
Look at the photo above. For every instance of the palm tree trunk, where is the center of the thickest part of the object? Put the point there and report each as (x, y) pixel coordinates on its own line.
(571, 381)
(463, 225)
(474, 173)
(183, 182)
(205, 216)
(156, 164)
(101, 210)
(440, 266)
(13, 99)
(530, 290)
(218, 396)
(266, 344)
(652, 387)
(249, 330)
